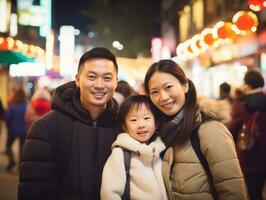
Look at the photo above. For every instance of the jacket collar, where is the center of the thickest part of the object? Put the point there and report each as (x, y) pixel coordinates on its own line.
(219, 110)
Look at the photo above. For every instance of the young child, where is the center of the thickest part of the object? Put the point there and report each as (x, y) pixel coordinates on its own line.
(137, 121)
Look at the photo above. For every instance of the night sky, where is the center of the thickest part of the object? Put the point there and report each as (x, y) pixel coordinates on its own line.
(68, 13)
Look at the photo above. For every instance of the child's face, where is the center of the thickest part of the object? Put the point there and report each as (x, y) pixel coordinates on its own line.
(140, 124)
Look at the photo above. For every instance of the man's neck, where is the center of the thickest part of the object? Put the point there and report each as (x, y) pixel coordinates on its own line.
(95, 111)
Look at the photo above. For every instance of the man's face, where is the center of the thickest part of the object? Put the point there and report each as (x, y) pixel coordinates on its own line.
(97, 81)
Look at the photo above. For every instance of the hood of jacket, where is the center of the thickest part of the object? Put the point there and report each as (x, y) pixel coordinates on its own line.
(126, 141)
(66, 98)
(219, 110)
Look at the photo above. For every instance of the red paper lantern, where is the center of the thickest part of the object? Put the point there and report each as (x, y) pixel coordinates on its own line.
(225, 31)
(18, 46)
(245, 21)
(3, 44)
(208, 37)
(189, 48)
(256, 5)
(198, 45)
(6, 43)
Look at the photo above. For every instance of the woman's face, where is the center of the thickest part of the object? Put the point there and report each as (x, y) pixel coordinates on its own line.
(167, 93)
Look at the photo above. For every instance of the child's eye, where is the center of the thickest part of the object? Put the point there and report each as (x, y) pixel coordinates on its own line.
(133, 120)
(146, 118)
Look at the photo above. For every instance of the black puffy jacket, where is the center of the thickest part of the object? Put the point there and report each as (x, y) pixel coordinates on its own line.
(65, 151)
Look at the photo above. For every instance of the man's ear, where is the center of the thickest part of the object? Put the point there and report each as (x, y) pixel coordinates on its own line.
(77, 80)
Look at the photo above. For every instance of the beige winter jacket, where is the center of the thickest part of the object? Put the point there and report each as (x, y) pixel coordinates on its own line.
(187, 179)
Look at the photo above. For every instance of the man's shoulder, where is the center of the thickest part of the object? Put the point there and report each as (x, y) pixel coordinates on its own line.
(49, 121)
(53, 115)
(50, 125)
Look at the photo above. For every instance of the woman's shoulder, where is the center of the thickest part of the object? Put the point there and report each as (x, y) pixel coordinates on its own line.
(214, 132)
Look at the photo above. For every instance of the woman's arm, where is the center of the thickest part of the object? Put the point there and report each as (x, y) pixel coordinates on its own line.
(219, 149)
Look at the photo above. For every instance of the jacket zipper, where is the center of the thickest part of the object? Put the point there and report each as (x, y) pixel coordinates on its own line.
(96, 154)
(94, 124)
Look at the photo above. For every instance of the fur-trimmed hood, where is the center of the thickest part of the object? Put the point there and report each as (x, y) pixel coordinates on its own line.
(153, 149)
(219, 110)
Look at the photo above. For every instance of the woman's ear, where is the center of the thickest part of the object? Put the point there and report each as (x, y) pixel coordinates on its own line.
(186, 87)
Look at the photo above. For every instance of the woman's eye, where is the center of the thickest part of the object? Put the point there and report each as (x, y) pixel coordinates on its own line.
(169, 87)
(154, 93)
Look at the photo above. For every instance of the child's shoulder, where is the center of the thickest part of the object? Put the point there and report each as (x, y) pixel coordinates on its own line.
(117, 150)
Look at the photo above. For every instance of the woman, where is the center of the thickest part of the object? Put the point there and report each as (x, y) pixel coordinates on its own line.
(184, 176)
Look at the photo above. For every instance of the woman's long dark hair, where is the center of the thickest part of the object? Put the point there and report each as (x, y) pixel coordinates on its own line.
(190, 106)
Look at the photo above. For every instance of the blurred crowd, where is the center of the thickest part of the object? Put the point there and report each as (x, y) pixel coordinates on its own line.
(21, 112)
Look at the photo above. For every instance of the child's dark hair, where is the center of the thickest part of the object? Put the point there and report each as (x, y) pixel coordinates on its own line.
(135, 102)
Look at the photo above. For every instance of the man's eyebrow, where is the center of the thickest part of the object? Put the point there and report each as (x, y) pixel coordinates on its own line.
(107, 73)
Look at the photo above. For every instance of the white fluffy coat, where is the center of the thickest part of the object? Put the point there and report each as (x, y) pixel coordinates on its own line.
(146, 180)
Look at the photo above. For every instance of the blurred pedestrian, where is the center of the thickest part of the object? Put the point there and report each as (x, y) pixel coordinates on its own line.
(200, 162)
(122, 91)
(2, 113)
(39, 104)
(15, 125)
(137, 122)
(252, 107)
(224, 92)
(11, 96)
(237, 113)
(65, 151)
(238, 94)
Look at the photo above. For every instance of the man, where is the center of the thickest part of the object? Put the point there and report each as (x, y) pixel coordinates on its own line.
(65, 150)
(252, 110)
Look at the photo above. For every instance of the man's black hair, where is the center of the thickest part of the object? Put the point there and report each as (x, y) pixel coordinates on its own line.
(97, 52)
(254, 79)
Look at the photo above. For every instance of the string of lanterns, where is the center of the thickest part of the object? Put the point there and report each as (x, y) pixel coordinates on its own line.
(8, 43)
(243, 22)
